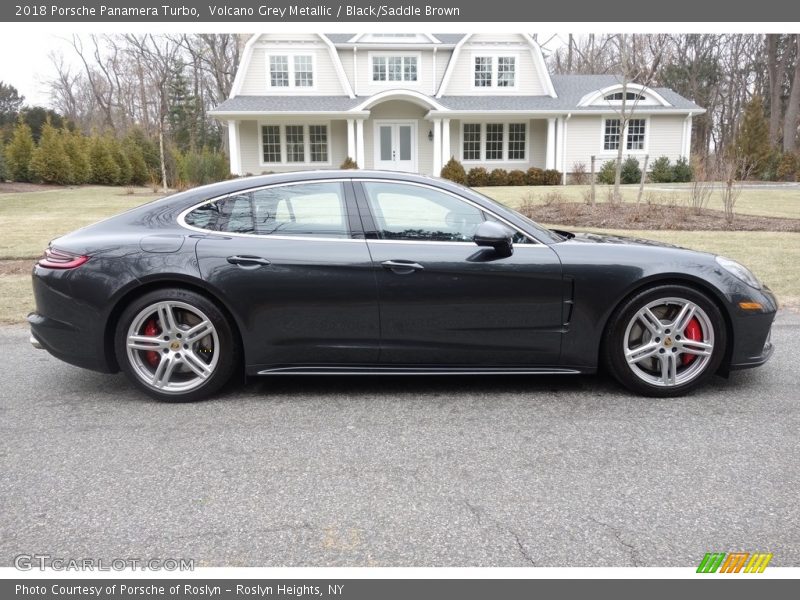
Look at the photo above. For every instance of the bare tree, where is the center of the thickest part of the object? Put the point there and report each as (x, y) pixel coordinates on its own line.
(733, 171)
(792, 119)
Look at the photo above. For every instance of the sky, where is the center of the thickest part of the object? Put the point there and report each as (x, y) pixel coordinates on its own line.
(24, 62)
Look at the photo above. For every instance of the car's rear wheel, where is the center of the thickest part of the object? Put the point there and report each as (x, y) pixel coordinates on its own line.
(176, 345)
(665, 341)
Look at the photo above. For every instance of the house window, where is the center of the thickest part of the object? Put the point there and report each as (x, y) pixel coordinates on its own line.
(472, 141)
(271, 143)
(294, 144)
(611, 135)
(506, 71)
(494, 141)
(617, 96)
(394, 68)
(279, 71)
(318, 137)
(516, 141)
(636, 134)
(295, 71)
(303, 71)
(483, 71)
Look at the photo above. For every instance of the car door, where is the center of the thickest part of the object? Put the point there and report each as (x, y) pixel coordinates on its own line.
(446, 301)
(291, 263)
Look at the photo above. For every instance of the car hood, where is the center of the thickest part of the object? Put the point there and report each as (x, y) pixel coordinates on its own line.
(589, 237)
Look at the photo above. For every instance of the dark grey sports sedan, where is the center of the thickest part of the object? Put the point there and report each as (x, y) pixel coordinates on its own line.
(366, 272)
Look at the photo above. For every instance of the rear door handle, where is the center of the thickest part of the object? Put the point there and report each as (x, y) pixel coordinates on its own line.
(248, 261)
(402, 267)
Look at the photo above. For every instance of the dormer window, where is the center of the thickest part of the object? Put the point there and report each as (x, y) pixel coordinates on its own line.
(291, 71)
(629, 96)
(394, 67)
(495, 71)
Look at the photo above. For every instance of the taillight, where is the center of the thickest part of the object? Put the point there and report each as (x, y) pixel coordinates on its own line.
(60, 259)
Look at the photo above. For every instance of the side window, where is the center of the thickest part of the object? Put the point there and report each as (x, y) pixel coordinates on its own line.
(310, 209)
(408, 212)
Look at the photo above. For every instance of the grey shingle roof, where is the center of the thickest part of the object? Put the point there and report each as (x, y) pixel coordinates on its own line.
(449, 39)
(287, 104)
(570, 90)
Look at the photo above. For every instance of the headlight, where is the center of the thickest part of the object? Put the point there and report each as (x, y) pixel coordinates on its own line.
(739, 271)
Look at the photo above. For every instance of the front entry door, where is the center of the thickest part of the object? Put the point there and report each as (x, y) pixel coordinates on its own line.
(395, 146)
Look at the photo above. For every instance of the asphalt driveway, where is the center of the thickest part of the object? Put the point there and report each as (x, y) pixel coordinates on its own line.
(345, 471)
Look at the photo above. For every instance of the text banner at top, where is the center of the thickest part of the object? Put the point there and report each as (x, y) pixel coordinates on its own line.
(279, 11)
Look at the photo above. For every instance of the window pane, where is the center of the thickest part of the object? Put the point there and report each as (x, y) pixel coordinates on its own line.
(378, 68)
(506, 71)
(271, 141)
(233, 214)
(295, 144)
(611, 135)
(395, 67)
(636, 134)
(494, 141)
(279, 71)
(386, 142)
(405, 212)
(472, 141)
(410, 68)
(483, 71)
(405, 142)
(303, 72)
(307, 209)
(516, 141)
(318, 138)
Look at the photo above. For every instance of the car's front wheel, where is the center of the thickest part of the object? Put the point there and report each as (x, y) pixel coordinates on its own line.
(665, 341)
(176, 345)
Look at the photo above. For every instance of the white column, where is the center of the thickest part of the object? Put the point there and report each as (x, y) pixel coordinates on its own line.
(445, 141)
(563, 168)
(360, 143)
(234, 149)
(559, 127)
(437, 147)
(351, 139)
(687, 143)
(550, 156)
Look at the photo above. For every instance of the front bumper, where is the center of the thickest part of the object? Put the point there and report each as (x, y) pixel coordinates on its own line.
(752, 333)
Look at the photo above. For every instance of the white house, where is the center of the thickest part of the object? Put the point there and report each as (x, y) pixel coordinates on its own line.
(409, 102)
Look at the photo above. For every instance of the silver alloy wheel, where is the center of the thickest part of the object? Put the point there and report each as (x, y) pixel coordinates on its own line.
(655, 342)
(181, 355)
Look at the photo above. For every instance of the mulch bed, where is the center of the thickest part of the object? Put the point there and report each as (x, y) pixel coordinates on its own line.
(18, 188)
(605, 215)
(16, 267)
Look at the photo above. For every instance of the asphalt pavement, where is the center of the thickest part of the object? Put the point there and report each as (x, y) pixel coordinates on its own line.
(400, 471)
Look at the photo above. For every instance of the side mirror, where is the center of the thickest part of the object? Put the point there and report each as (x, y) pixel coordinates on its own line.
(496, 236)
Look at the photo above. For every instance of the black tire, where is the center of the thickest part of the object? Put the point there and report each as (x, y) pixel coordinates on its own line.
(184, 305)
(637, 377)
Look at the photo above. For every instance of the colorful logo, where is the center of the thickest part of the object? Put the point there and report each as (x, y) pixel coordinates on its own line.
(734, 562)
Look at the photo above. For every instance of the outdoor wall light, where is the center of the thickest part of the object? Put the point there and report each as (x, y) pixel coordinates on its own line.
(430, 135)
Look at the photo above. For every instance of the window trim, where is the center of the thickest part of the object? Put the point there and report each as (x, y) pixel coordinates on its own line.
(306, 143)
(624, 138)
(348, 202)
(505, 123)
(387, 54)
(494, 55)
(290, 55)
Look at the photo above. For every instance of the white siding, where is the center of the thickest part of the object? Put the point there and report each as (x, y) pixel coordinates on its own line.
(664, 137)
(326, 78)
(529, 82)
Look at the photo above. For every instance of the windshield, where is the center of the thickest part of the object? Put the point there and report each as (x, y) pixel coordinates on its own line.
(546, 233)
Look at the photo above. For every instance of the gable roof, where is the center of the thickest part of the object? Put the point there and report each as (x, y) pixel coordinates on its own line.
(444, 39)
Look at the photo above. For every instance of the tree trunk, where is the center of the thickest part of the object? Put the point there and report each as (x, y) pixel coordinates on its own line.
(161, 154)
(790, 123)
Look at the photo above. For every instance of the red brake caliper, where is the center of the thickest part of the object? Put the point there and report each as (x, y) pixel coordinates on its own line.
(152, 330)
(692, 332)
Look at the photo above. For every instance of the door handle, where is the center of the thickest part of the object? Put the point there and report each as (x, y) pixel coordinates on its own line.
(402, 267)
(248, 261)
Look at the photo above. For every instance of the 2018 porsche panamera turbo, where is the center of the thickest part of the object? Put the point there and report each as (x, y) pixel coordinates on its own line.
(374, 272)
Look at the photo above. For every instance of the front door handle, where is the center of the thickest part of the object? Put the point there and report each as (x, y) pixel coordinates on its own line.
(248, 261)
(402, 267)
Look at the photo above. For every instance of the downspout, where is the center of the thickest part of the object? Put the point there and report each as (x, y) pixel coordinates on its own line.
(433, 79)
(687, 137)
(355, 70)
(564, 152)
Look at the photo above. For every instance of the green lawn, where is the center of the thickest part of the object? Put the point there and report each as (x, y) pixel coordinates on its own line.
(31, 220)
(769, 202)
